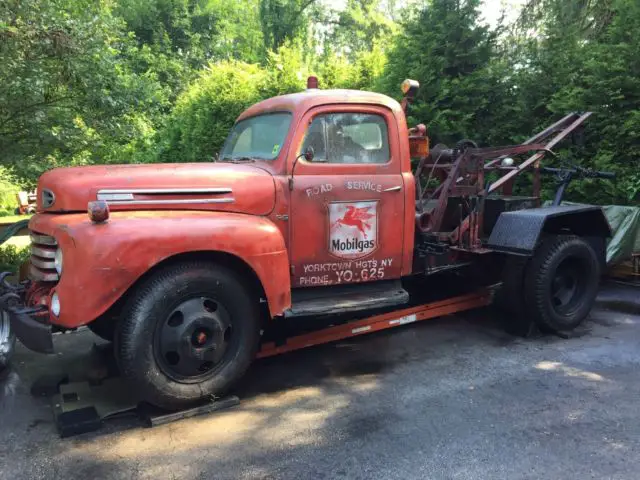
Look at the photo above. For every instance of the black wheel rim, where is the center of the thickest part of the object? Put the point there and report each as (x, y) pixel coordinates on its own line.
(194, 340)
(568, 285)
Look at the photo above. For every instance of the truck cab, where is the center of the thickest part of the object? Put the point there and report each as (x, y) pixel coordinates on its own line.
(346, 211)
(311, 209)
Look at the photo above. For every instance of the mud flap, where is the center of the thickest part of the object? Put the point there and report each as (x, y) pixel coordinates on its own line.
(509, 300)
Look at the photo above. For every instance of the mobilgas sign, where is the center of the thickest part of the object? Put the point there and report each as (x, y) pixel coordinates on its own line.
(353, 229)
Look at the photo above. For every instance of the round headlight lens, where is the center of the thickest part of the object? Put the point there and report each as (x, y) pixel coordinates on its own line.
(57, 261)
(55, 305)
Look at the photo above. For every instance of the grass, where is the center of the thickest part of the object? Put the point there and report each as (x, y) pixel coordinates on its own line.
(13, 219)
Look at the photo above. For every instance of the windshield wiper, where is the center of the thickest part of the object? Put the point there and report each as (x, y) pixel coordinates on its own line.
(240, 159)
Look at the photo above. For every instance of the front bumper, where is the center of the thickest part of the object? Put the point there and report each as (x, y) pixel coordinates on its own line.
(28, 323)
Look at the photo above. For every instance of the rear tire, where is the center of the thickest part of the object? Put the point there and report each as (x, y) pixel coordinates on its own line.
(561, 282)
(188, 333)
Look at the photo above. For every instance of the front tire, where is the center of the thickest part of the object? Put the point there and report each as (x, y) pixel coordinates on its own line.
(561, 282)
(188, 333)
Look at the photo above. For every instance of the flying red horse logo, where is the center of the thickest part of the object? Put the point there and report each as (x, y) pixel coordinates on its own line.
(356, 217)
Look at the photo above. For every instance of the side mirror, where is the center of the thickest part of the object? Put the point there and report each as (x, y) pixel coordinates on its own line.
(409, 89)
(308, 153)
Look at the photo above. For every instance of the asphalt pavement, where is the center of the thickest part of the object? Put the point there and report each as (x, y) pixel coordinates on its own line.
(452, 398)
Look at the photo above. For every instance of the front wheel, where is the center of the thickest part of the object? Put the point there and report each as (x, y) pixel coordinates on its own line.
(188, 333)
(561, 282)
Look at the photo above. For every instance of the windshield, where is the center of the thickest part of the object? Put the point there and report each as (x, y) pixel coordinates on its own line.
(257, 138)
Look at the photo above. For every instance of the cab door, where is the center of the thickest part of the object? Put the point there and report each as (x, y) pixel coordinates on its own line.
(347, 204)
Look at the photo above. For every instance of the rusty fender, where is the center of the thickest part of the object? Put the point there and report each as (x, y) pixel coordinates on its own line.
(102, 261)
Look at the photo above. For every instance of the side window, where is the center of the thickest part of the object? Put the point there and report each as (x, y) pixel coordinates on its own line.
(348, 138)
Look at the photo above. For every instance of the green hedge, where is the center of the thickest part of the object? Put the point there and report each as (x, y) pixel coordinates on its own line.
(11, 257)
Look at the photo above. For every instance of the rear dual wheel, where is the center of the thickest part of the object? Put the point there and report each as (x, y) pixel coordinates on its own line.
(188, 334)
(556, 288)
(561, 282)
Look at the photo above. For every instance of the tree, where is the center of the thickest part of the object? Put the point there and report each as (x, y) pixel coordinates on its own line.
(179, 37)
(607, 82)
(283, 20)
(67, 95)
(360, 27)
(583, 57)
(587, 18)
(444, 47)
(207, 109)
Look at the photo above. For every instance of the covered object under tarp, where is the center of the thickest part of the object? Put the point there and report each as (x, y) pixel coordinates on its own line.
(625, 226)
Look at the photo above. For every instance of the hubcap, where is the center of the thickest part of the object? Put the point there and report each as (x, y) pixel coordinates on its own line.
(192, 341)
(568, 285)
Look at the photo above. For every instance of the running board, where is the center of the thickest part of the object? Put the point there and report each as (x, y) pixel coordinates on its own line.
(346, 298)
(375, 323)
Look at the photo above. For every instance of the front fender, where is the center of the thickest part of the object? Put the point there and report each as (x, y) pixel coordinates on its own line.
(102, 261)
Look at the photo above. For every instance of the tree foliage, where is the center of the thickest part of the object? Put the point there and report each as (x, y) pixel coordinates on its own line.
(443, 47)
(207, 108)
(95, 81)
(585, 58)
(283, 20)
(67, 94)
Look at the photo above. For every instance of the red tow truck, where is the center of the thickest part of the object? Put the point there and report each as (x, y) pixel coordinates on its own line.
(310, 219)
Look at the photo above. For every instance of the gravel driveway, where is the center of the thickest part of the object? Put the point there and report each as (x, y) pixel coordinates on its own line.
(448, 398)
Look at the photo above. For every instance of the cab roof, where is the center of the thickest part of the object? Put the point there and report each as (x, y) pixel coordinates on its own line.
(302, 101)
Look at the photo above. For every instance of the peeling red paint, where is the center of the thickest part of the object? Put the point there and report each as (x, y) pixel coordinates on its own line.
(122, 250)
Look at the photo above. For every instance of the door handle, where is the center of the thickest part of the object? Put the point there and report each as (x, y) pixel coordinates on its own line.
(393, 189)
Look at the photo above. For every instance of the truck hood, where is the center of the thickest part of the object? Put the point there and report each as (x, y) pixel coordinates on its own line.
(171, 186)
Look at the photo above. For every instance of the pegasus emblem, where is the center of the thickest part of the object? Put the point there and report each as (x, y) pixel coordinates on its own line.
(356, 217)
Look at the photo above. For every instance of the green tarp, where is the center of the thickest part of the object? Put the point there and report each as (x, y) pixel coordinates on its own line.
(625, 225)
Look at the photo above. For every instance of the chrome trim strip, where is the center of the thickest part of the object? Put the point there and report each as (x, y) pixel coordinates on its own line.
(41, 276)
(164, 191)
(42, 252)
(40, 263)
(194, 201)
(43, 239)
(111, 197)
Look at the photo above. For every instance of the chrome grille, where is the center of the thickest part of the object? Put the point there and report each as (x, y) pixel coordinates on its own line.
(43, 252)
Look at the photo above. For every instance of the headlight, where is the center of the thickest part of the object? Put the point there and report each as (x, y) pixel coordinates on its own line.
(55, 305)
(57, 261)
